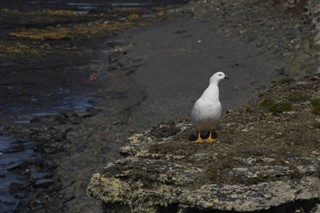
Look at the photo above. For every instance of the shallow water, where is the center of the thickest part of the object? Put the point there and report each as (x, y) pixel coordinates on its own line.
(83, 6)
(14, 153)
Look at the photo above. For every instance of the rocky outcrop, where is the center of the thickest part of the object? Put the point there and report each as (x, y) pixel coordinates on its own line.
(267, 157)
(162, 187)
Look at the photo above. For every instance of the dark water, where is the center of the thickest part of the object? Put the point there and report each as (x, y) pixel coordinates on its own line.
(82, 6)
(14, 153)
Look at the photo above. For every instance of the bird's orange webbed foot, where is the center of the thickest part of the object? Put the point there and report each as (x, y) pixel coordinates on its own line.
(199, 139)
(210, 139)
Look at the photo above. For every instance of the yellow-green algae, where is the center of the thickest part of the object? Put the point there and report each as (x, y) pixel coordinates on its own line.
(8, 12)
(17, 47)
(85, 29)
(78, 31)
(64, 25)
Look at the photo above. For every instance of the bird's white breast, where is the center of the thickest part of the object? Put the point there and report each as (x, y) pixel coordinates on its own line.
(206, 111)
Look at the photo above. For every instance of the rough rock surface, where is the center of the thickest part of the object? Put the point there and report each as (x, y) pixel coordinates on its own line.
(267, 157)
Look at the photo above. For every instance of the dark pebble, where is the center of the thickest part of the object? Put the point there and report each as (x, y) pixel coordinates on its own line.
(76, 120)
(60, 136)
(70, 114)
(61, 119)
(91, 112)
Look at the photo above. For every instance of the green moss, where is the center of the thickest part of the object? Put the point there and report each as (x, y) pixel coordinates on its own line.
(280, 107)
(298, 96)
(315, 102)
(275, 107)
(316, 106)
(267, 102)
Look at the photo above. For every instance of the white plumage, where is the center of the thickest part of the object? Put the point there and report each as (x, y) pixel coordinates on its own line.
(206, 112)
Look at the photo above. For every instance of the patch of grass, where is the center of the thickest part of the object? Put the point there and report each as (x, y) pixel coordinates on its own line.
(316, 106)
(280, 107)
(267, 102)
(275, 107)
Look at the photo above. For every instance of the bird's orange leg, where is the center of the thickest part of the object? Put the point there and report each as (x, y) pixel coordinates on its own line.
(199, 139)
(210, 139)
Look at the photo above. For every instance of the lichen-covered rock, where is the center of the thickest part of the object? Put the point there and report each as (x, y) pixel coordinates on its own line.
(161, 183)
(147, 185)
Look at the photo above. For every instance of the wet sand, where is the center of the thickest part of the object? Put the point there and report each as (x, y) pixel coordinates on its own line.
(144, 76)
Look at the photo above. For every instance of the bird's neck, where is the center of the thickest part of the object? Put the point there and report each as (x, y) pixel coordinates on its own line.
(211, 93)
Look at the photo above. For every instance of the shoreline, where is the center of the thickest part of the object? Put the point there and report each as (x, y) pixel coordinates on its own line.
(110, 122)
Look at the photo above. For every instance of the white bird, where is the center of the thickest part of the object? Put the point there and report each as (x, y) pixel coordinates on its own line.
(206, 112)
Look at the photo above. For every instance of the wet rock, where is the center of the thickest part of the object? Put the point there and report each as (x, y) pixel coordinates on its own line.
(76, 120)
(61, 119)
(91, 112)
(70, 114)
(60, 136)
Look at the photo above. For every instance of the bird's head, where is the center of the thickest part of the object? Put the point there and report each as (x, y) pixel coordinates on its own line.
(218, 76)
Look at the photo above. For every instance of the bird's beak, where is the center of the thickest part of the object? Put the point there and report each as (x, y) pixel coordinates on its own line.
(226, 77)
